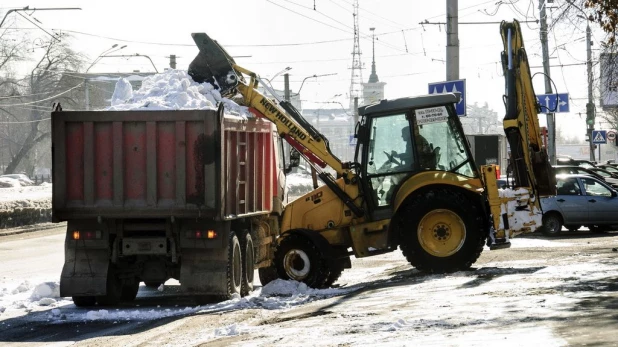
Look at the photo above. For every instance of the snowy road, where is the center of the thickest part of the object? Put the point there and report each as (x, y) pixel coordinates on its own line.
(549, 292)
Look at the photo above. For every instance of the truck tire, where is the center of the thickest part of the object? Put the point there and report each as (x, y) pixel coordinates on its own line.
(129, 290)
(298, 258)
(248, 263)
(84, 301)
(114, 289)
(267, 274)
(234, 266)
(153, 284)
(441, 230)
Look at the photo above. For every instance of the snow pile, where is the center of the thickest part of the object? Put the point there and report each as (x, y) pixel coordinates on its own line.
(25, 205)
(281, 287)
(46, 293)
(7, 182)
(230, 330)
(299, 184)
(172, 90)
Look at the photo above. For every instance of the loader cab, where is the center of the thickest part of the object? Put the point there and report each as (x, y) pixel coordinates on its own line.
(401, 138)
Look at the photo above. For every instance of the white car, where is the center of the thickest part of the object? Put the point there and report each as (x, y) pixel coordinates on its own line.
(21, 178)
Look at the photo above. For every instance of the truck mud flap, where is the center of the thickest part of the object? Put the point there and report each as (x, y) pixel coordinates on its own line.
(84, 273)
(204, 271)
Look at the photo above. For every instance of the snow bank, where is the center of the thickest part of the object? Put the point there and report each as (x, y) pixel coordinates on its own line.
(172, 90)
(25, 205)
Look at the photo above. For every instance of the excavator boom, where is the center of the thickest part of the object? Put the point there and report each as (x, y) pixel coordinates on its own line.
(529, 160)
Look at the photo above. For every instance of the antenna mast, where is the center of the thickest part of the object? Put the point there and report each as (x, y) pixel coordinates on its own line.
(357, 72)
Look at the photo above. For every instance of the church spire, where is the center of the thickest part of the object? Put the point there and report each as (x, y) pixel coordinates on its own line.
(373, 78)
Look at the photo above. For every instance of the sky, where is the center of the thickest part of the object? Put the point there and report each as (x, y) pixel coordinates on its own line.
(315, 37)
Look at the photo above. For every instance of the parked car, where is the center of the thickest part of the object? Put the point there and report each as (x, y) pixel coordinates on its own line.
(580, 200)
(611, 168)
(608, 177)
(574, 169)
(577, 162)
(22, 178)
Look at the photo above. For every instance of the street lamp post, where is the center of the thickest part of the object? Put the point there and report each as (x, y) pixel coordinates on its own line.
(107, 51)
(131, 56)
(590, 116)
(27, 8)
(312, 76)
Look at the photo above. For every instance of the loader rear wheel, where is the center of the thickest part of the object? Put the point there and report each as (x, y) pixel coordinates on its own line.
(441, 231)
(84, 301)
(248, 263)
(114, 289)
(298, 258)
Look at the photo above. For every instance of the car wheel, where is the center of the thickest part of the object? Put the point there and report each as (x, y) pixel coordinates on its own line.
(552, 224)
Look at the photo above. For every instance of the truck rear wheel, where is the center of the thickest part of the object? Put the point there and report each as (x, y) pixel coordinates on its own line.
(114, 289)
(152, 284)
(441, 231)
(129, 290)
(234, 266)
(299, 259)
(248, 263)
(84, 301)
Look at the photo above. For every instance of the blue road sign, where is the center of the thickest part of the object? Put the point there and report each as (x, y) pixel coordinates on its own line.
(352, 140)
(457, 86)
(599, 137)
(551, 103)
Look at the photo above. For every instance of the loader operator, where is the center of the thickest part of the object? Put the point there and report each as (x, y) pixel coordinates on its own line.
(427, 154)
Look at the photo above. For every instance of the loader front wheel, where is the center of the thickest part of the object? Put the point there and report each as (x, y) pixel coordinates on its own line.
(298, 258)
(441, 231)
(267, 274)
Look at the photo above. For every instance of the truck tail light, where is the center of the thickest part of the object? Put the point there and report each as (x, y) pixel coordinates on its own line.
(86, 235)
(497, 172)
(202, 234)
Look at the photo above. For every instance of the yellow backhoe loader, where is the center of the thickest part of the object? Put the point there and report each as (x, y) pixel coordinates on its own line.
(413, 183)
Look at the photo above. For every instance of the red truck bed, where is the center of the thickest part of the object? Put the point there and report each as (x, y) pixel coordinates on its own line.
(141, 164)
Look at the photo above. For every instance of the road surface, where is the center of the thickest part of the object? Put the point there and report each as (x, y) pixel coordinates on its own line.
(550, 292)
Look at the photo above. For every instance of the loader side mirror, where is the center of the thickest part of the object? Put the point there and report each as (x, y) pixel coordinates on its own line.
(294, 160)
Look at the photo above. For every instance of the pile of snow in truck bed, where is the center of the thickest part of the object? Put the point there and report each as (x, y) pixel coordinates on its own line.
(172, 90)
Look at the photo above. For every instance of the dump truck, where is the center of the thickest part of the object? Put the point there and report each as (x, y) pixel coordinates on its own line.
(192, 195)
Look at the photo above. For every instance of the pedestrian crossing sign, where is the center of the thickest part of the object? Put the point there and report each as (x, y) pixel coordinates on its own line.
(599, 137)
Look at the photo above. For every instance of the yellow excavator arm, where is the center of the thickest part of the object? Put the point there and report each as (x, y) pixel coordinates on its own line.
(529, 160)
(518, 210)
(214, 65)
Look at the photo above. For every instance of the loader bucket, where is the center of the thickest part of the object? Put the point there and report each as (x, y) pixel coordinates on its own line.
(213, 65)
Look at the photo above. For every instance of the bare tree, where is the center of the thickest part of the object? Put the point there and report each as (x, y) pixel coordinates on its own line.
(30, 112)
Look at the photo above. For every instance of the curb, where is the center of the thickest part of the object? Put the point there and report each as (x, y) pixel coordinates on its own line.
(30, 228)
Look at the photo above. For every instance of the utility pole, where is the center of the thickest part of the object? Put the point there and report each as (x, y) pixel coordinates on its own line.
(452, 40)
(590, 105)
(286, 82)
(173, 61)
(551, 126)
